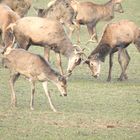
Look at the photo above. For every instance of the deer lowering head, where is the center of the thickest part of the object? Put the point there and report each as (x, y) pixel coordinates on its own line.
(34, 68)
(75, 58)
(94, 64)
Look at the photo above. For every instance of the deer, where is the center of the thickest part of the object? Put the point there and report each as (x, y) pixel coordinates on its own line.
(7, 16)
(51, 35)
(61, 11)
(89, 14)
(116, 37)
(35, 68)
(21, 7)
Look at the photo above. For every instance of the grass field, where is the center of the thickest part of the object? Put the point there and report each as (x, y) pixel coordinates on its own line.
(93, 109)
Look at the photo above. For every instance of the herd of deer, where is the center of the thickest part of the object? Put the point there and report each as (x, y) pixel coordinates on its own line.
(47, 30)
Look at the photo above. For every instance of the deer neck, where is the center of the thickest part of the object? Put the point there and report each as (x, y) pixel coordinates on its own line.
(108, 11)
(102, 49)
(67, 49)
(52, 75)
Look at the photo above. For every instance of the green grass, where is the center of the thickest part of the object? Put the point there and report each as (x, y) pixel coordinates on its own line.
(93, 109)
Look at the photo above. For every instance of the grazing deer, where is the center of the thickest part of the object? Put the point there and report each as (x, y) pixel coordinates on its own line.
(7, 16)
(47, 33)
(116, 37)
(21, 7)
(34, 68)
(90, 14)
(59, 10)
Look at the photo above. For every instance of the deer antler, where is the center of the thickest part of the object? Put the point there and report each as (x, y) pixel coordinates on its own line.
(75, 45)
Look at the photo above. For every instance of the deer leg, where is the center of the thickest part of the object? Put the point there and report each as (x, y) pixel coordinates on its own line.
(110, 66)
(59, 63)
(45, 86)
(123, 59)
(32, 95)
(78, 32)
(46, 53)
(5, 38)
(12, 81)
(71, 30)
(92, 33)
(126, 64)
(120, 59)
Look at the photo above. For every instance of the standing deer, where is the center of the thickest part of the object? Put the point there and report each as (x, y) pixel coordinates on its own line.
(49, 34)
(89, 14)
(116, 37)
(34, 68)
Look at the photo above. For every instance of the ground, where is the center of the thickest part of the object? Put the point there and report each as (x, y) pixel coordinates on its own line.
(93, 110)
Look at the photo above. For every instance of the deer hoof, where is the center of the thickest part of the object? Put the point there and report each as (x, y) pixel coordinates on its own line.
(108, 79)
(120, 79)
(32, 108)
(125, 77)
(13, 104)
(54, 110)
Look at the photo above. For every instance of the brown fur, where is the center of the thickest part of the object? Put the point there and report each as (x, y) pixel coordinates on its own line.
(44, 32)
(60, 10)
(89, 14)
(33, 67)
(116, 37)
(7, 16)
(116, 34)
(21, 7)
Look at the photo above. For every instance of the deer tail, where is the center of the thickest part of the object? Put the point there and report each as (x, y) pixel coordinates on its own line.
(137, 41)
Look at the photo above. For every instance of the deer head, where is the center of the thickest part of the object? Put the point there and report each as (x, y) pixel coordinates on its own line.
(61, 84)
(94, 64)
(75, 59)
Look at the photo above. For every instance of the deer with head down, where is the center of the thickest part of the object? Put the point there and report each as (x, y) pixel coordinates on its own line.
(49, 34)
(89, 14)
(116, 37)
(34, 68)
(21, 7)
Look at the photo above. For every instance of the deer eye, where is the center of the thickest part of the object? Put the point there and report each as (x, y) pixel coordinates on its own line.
(78, 61)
